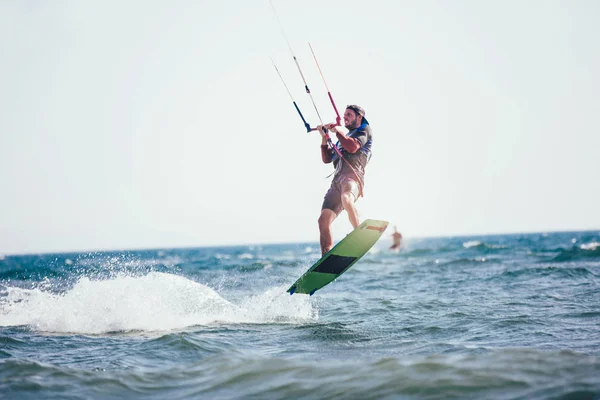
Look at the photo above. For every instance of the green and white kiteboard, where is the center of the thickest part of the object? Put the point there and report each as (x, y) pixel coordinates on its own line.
(339, 259)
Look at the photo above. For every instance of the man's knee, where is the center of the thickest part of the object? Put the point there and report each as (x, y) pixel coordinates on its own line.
(350, 192)
(348, 199)
(325, 219)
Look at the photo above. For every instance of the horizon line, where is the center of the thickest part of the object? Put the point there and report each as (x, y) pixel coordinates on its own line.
(184, 247)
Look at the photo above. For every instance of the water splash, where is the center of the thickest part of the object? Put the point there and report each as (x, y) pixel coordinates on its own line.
(154, 302)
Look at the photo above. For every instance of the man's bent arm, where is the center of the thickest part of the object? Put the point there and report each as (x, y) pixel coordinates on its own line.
(351, 145)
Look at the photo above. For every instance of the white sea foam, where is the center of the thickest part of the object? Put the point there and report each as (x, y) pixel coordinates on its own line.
(154, 302)
(590, 246)
(471, 243)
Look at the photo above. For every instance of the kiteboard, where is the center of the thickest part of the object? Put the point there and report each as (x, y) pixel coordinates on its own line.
(340, 258)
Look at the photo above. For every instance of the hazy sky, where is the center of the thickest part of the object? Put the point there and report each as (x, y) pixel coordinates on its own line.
(143, 124)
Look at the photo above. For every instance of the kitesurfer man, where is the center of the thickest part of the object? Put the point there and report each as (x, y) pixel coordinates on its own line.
(354, 146)
(396, 240)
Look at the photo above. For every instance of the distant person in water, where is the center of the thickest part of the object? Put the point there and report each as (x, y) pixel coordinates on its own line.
(354, 145)
(396, 240)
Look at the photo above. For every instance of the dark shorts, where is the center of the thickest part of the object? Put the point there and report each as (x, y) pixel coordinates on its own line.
(333, 197)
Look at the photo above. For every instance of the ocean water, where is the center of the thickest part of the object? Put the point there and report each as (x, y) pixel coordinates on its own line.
(486, 317)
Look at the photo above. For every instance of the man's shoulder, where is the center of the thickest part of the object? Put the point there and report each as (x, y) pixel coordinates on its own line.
(362, 130)
(366, 129)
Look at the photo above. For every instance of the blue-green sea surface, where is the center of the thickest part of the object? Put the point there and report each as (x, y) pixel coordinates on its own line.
(494, 317)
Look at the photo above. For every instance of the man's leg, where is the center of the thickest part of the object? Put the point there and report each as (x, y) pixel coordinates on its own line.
(349, 196)
(325, 220)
